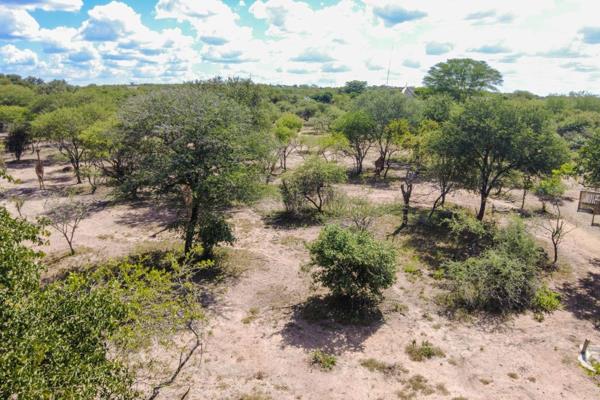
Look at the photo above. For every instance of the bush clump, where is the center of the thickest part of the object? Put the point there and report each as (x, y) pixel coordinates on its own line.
(352, 264)
(311, 185)
(324, 360)
(424, 351)
(546, 300)
(504, 277)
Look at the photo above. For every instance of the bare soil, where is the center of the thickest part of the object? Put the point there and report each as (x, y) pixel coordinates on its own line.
(258, 337)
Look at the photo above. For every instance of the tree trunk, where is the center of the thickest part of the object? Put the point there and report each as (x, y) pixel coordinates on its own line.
(523, 199)
(406, 192)
(481, 212)
(191, 226)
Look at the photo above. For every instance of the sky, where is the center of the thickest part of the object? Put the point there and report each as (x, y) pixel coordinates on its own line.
(543, 46)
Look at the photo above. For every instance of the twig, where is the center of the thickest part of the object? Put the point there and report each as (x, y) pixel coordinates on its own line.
(182, 362)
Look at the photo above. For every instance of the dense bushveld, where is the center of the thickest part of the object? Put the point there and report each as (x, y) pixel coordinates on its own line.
(202, 147)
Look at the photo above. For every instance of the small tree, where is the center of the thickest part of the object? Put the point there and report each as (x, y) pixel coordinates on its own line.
(65, 217)
(550, 190)
(18, 138)
(352, 264)
(311, 184)
(590, 160)
(556, 229)
(286, 131)
(358, 128)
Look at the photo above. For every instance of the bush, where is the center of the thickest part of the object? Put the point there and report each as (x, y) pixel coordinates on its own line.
(422, 352)
(514, 240)
(352, 264)
(18, 138)
(546, 300)
(311, 185)
(325, 361)
(494, 281)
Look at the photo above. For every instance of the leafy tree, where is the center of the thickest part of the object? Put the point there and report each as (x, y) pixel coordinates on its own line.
(358, 128)
(590, 160)
(324, 97)
(493, 138)
(18, 138)
(385, 106)
(438, 107)
(550, 189)
(354, 88)
(311, 183)
(414, 164)
(65, 127)
(196, 146)
(286, 131)
(66, 216)
(332, 145)
(462, 77)
(352, 264)
(16, 95)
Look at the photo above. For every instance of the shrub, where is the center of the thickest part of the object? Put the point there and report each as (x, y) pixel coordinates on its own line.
(494, 281)
(424, 351)
(325, 361)
(352, 264)
(514, 240)
(311, 185)
(546, 300)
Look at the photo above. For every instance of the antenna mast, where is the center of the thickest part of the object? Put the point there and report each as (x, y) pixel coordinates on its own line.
(387, 80)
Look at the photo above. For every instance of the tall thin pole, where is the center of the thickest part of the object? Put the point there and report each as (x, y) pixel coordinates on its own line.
(387, 80)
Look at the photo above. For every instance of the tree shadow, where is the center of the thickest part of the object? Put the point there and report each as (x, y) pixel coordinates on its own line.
(583, 297)
(286, 220)
(145, 213)
(327, 324)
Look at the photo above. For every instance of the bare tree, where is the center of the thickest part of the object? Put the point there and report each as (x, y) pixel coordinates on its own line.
(66, 216)
(557, 230)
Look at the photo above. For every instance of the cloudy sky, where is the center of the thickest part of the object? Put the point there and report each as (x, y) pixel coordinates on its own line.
(545, 46)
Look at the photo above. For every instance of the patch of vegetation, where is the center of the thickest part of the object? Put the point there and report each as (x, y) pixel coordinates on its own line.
(384, 368)
(251, 317)
(513, 375)
(415, 387)
(353, 265)
(546, 300)
(323, 360)
(424, 351)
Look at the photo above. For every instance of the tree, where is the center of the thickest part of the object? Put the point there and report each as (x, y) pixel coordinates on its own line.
(16, 95)
(286, 131)
(550, 189)
(493, 138)
(590, 160)
(462, 77)
(412, 144)
(358, 127)
(438, 107)
(385, 106)
(195, 146)
(352, 264)
(66, 216)
(311, 183)
(65, 127)
(354, 88)
(18, 138)
(557, 230)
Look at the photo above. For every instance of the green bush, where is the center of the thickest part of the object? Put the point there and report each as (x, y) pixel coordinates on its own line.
(514, 240)
(424, 351)
(352, 263)
(546, 300)
(325, 361)
(311, 185)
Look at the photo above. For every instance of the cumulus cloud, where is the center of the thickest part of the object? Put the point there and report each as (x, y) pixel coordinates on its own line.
(13, 56)
(411, 63)
(491, 49)
(334, 68)
(490, 17)
(46, 5)
(436, 48)
(393, 14)
(17, 24)
(312, 56)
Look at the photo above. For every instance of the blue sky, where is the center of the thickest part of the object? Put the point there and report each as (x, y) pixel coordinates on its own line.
(545, 46)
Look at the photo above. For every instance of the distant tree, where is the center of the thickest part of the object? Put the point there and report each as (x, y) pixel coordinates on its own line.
(65, 127)
(311, 184)
(438, 108)
(324, 97)
(352, 264)
(16, 95)
(590, 160)
(18, 138)
(493, 138)
(462, 77)
(354, 88)
(385, 106)
(286, 131)
(358, 127)
(412, 144)
(65, 217)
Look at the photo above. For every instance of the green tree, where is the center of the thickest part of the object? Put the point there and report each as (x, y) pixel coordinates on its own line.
(352, 264)
(65, 127)
(385, 106)
(286, 131)
(438, 107)
(18, 138)
(311, 183)
(358, 127)
(590, 160)
(196, 146)
(493, 138)
(462, 77)
(354, 88)
(16, 95)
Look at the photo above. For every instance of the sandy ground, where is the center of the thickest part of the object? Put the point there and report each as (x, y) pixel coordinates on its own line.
(258, 344)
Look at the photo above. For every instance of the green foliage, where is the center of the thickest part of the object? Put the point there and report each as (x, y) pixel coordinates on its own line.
(438, 108)
(358, 127)
(352, 264)
(590, 160)
(462, 77)
(424, 351)
(287, 127)
(546, 300)
(311, 185)
(550, 189)
(18, 138)
(374, 365)
(354, 88)
(16, 95)
(323, 360)
(55, 338)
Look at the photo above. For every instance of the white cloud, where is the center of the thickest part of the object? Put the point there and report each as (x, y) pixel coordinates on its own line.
(13, 56)
(46, 5)
(16, 24)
